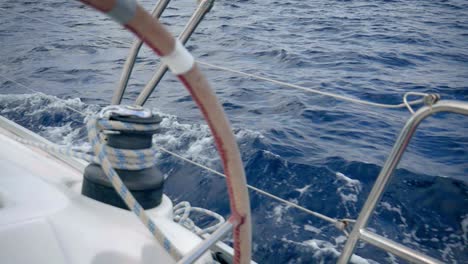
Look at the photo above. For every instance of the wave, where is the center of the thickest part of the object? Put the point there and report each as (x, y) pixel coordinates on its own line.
(59, 120)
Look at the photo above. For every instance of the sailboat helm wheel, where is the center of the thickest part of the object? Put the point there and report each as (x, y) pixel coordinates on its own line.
(134, 18)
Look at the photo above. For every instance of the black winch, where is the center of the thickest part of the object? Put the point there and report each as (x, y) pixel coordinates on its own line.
(146, 185)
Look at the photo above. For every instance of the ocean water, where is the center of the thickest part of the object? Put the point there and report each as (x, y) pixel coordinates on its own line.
(316, 151)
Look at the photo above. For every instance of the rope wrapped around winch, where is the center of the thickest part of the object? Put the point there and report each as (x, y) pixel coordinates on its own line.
(108, 158)
(96, 126)
(175, 56)
(129, 159)
(114, 158)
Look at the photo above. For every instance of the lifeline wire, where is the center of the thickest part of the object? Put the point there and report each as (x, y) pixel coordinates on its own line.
(278, 82)
(336, 222)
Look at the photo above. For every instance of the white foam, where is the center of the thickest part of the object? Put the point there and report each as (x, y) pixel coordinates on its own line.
(192, 141)
(278, 213)
(37, 103)
(312, 229)
(303, 189)
(397, 210)
(32, 109)
(348, 191)
(464, 226)
(348, 198)
(64, 135)
(350, 182)
(323, 248)
(392, 258)
(269, 153)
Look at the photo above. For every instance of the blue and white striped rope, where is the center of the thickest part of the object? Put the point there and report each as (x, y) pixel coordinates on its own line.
(95, 128)
(120, 158)
(110, 158)
(58, 149)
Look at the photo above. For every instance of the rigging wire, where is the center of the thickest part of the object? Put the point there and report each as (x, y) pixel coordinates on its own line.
(405, 104)
(338, 223)
(311, 90)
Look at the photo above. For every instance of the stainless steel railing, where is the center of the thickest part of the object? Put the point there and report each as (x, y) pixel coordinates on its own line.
(134, 50)
(359, 230)
(204, 6)
(202, 9)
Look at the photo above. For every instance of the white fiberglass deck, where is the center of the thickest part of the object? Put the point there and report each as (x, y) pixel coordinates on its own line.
(45, 219)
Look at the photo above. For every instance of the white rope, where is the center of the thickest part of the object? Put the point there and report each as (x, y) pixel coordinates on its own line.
(182, 216)
(405, 99)
(284, 84)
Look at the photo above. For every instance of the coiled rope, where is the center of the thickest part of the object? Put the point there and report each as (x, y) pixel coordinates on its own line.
(182, 215)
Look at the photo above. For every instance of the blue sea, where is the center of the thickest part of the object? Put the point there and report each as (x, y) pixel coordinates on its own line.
(316, 151)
